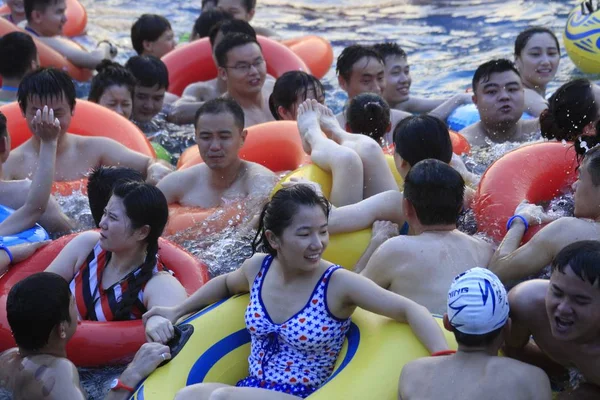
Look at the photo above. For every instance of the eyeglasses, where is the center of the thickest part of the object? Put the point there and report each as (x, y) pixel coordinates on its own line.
(244, 68)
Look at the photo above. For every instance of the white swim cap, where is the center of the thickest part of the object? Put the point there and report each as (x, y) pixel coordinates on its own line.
(477, 302)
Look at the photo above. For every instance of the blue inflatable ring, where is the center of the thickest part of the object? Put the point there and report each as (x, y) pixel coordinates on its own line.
(32, 235)
(466, 115)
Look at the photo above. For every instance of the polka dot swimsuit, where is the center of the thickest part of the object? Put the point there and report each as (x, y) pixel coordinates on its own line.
(299, 355)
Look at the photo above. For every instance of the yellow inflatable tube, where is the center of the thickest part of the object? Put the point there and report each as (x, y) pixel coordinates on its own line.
(344, 249)
(368, 367)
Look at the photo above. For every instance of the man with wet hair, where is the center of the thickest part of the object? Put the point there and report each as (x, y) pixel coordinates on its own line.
(477, 315)
(433, 200)
(223, 175)
(360, 69)
(53, 89)
(555, 322)
(500, 98)
(42, 316)
(150, 91)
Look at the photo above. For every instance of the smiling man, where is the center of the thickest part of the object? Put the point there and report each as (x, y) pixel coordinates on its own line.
(562, 316)
(500, 98)
(220, 134)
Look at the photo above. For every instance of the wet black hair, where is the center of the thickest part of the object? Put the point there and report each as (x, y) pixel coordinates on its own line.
(523, 38)
(207, 21)
(420, 137)
(249, 5)
(229, 42)
(582, 257)
(144, 205)
(148, 71)
(470, 340)
(289, 87)
(3, 122)
(110, 74)
(47, 83)
(369, 114)
(485, 70)
(35, 306)
(388, 49)
(279, 212)
(570, 109)
(591, 158)
(148, 27)
(351, 55)
(436, 191)
(101, 182)
(205, 2)
(219, 105)
(39, 5)
(17, 52)
(228, 26)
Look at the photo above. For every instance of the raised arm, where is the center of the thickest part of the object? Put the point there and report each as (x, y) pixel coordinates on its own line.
(47, 128)
(80, 57)
(442, 111)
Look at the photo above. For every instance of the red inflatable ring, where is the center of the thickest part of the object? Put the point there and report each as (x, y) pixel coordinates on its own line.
(205, 220)
(76, 18)
(275, 145)
(100, 343)
(315, 51)
(193, 62)
(48, 56)
(536, 173)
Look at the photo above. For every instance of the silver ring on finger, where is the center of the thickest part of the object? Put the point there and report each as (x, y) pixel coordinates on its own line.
(163, 357)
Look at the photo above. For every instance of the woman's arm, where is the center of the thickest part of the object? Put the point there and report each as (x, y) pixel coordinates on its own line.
(73, 255)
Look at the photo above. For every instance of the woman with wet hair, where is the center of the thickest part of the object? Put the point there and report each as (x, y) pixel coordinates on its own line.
(113, 88)
(290, 90)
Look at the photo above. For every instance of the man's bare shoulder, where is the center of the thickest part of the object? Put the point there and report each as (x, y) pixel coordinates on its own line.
(529, 127)
(524, 378)
(201, 91)
(528, 297)
(416, 375)
(254, 169)
(474, 134)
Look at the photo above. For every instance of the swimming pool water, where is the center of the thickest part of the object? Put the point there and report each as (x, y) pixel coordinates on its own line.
(445, 40)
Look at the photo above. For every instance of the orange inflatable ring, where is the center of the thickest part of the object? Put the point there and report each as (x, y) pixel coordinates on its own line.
(76, 18)
(537, 173)
(100, 343)
(206, 220)
(48, 56)
(193, 62)
(315, 51)
(275, 145)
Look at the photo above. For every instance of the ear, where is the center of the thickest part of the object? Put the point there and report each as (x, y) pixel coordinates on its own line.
(389, 128)
(251, 14)
(343, 84)
(142, 233)
(148, 46)
(284, 114)
(273, 240)
(474, 98)
(61, 330)
(347, 128)
(408, 210)
(244, 134)
(447, 325)
(222, 73)
(506, 329)
(36, 16)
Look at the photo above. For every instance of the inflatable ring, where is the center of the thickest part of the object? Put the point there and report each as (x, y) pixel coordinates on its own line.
(344, 249)
(31, 235)
(76, 18)
(467, 115)
(375, 350)
(100, 343)
(538, 172)
(48, 56)
(207, 220)
(193, 62)
(67, 188)
(275, 145)
(582, 38)
(315, 51)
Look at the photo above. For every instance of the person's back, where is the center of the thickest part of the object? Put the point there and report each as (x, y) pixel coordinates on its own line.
(422, 267)
(478, 309)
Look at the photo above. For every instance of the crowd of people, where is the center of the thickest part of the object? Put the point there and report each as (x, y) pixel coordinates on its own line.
(417, 263)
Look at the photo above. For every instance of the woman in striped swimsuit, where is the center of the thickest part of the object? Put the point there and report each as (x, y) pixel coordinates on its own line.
(115, 274)
(300, 305)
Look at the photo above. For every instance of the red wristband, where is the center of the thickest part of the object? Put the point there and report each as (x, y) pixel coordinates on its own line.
(443, 353)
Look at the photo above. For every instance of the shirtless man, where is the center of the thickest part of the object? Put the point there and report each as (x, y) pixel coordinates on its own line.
(18, 57)
(244, 10)
(511, 262)
(242, 65)
(43, 317)
(76, 155)
(500, 98)
(433, 198)
(398, 82)
(45, 20)
(477, 314)
(562, 317)
(360, 69)
(195, 94)
(220, 134)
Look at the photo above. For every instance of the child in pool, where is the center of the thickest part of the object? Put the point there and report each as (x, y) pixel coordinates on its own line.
(17, 11)
(291, 276)
(18, 57)
(45, 20)
(152, 35)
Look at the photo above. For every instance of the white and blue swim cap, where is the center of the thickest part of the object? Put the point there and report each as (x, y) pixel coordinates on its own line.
(477, 302)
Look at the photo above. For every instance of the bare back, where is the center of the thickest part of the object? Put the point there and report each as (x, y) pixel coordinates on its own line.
(472, 376)
(192, 187)
(422, 267)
